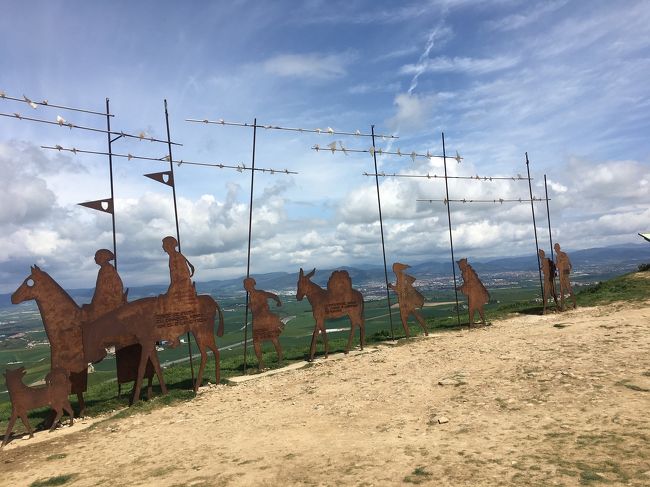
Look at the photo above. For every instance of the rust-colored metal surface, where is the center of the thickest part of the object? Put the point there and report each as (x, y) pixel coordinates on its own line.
(266, 325)
(548, 278)
(109, 294)
(564, 268)
(408, 298)
(24, 398)
(163, 318)
(474, 290)
(62, 321)
(339, 299)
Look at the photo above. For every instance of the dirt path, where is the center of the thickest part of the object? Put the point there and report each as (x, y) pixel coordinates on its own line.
(534, 400)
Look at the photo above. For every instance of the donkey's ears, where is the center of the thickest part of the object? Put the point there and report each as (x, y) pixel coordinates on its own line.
(302, 273)
(312, 272)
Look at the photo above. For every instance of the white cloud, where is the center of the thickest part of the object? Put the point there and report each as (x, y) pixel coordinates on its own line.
(314, 66)
(412, 111)
(443, 64)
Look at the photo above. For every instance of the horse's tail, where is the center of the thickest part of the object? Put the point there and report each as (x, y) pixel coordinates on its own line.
(220, 327)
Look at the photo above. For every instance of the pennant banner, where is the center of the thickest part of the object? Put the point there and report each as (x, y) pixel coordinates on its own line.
(164, 177)
(105, 205)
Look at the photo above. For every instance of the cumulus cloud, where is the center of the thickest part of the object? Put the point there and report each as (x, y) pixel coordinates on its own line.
(411, 111)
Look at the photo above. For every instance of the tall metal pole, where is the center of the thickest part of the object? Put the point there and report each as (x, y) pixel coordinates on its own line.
(451, 239)
(532, 209)
(110, 167)
(250, 232)
(548, 217)
(178, 234)
(381, 228)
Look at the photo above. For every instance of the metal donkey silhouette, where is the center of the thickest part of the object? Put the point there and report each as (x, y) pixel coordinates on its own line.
(339, 299)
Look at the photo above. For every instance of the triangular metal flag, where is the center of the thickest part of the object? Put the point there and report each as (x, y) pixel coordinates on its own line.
(165, 177)
(105, 205)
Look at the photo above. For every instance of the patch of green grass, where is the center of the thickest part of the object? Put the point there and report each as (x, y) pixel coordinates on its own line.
(58, 480)
(418, 476)
(629, 287)
(57, 456)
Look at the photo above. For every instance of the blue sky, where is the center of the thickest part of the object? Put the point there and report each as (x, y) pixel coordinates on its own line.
(565, 81)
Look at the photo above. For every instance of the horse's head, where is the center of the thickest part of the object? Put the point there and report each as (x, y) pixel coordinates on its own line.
(462, 263)
(28, 288)
(303, 283)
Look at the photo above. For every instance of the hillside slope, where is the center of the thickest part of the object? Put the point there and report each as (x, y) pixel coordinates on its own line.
(532, 400)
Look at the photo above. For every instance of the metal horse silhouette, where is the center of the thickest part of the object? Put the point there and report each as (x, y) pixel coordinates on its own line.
(149, 320)
(62, 321)
(473, 288)
(339, 299)
(24, 398)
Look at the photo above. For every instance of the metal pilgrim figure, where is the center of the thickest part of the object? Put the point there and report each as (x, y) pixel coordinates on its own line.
(409, 298)
(473, 288)
(266, 325)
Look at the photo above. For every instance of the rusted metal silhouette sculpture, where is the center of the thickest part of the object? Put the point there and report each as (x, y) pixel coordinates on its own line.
(564, 268)
(109, 294)
(166, 317)
(24, 398)
(266, 325)
(548, 271)
(409, 298)
(62, 321)
(339, 299)
(473, 288)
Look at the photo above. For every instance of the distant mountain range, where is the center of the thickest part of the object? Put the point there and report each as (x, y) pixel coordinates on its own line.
(616, 259)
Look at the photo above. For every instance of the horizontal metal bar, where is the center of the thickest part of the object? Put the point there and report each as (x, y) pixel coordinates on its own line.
(64, 123)
(435, 176)
(498, 200)
(380, 151)
(327, 131)
(239, 167)
(46, 103)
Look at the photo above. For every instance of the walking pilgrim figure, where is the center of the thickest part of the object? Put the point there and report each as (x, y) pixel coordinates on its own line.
(473, 288)
(564, 268)
(267, 326)
(408, 298)
(548, 271)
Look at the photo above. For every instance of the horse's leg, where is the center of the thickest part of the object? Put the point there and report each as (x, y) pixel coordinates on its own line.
(472, 311)
(82, 404)
(362, 333)
(161, 380)
(421, 321)
(258, 353)
(59, 413)
(278, 349)
(68, 409)
(204, 358)
(9, 429)
(144, 356)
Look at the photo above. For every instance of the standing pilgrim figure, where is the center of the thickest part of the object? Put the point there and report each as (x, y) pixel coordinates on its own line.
(266, 325)
(548, 271)
(408, 297)
(181, 288)
(564, 268)
(473, 288)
